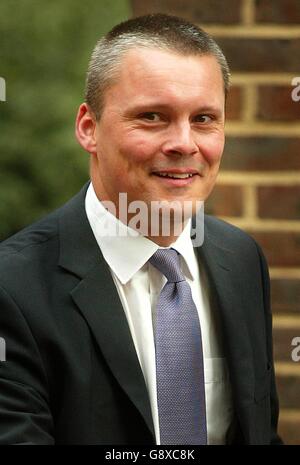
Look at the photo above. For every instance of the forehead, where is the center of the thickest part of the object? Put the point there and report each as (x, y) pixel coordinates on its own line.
(147, 73)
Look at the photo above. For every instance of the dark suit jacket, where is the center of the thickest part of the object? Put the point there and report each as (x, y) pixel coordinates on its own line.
(71, 374)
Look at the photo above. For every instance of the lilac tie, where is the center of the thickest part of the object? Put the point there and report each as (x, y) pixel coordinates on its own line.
(179, 357)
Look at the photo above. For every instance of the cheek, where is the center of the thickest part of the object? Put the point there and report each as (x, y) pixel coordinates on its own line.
(128, 158)
(212, 149)
(139, 148)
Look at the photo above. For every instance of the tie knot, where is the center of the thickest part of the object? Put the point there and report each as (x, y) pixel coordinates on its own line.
(167, 262)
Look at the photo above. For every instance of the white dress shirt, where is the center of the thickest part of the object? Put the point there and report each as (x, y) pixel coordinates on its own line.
(139, 284)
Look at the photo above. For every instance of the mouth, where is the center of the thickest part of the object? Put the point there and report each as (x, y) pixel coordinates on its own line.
(176, 177)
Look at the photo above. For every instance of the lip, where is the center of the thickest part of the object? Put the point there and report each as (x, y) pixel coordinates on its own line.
(177, 171)
(177, 182)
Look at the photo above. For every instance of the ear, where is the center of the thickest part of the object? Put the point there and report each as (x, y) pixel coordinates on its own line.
(85, 129)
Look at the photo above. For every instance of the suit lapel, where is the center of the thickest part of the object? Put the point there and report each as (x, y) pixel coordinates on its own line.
(97, 299)
(219, 264)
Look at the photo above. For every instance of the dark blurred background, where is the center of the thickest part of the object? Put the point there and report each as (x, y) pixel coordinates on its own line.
(44, 52)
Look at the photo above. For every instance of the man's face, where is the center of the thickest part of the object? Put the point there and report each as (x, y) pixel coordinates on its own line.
(162, 120)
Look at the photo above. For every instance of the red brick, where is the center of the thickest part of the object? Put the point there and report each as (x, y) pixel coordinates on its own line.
(206, 11)
(282, 344)
(261, 154)
(285, 295)
(289, 431)
(275, 103)
(234, 103)
(289, 390)
(277, 11)
(225, 201)
(281, 248)
(279, 202)
(262, 55)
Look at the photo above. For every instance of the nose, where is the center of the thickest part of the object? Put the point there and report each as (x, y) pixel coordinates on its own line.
(180, 140)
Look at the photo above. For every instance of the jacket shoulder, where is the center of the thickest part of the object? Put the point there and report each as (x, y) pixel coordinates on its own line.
(41, 231)
(222, 226)
(32, 235)
(228, 236)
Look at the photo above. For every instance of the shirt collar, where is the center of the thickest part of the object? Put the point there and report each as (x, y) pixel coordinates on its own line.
(127, 252)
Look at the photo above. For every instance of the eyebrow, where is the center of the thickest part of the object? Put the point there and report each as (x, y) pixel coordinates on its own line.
(151, 106)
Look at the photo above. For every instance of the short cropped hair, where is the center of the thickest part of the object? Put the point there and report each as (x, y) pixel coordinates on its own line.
(160, 31)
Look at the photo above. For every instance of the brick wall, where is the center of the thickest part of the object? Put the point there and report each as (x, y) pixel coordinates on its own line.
(259, 184)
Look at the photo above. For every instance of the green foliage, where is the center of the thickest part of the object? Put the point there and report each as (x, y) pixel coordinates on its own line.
(44, 52)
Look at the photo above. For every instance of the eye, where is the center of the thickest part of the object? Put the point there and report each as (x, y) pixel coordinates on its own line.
(203, 119)
(150, 116)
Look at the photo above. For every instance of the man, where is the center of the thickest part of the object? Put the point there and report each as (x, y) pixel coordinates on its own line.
(121, 338)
